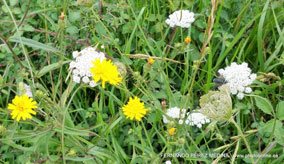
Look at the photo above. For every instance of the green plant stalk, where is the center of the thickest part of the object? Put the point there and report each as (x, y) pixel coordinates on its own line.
(203, 51)
(231, 120)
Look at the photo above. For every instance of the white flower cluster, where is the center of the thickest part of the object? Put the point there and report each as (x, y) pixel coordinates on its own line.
(238, 77)
(174, 113)
(182, 18)
(194, 118)
(82, 64)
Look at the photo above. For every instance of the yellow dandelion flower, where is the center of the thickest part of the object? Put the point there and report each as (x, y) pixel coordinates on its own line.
(150, 60)
(105, 71)
(172, 131)
(134, 109)
(22, 107)
(187, 40)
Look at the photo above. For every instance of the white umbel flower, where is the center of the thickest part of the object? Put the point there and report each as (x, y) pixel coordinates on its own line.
(181, 18)
(238, 77)
(196, 119)
(174, 113)
(82, 63)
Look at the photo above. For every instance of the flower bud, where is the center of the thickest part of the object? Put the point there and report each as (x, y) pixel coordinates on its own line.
(40, 94)
(164, 104)
(21, 88)
(172, 131)
(150, 60)
(181, 141)
(2, 130)
(62, 16)
(72, 152)
(187, 40)
(121, 68)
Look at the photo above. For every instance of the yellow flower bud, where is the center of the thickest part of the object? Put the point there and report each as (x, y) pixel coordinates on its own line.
(172, 131)
(150, 61)
(187, 40)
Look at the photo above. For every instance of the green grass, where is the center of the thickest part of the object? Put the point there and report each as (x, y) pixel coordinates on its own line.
(78, 124)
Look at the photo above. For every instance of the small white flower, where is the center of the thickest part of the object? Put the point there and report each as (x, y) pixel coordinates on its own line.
(181, 18)
(76, 79)
(238, 77)
(240, 95)
(72, 65)
(82, 64)
(248, 90)
(75, 54)
(75, 72)
(85, 79)
(28, 90)
(197, 119)
(174, 113)
(168, 162)
(92, 83)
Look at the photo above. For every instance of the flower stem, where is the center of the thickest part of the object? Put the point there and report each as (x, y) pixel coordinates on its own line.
(242, 136)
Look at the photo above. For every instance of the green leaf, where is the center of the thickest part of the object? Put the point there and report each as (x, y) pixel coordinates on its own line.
(28, 27)
(101, 153)
(74, 16)
(72, 30)
(264, 104)
(32, 43)
(279, 136)
(13, 2)
(49, 68)
(280, 110)
(266, 129)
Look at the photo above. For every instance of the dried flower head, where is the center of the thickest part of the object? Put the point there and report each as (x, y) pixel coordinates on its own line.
(217, 105)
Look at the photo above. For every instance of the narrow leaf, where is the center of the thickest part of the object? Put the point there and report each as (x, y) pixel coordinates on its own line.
(49, 68)
(32, 43)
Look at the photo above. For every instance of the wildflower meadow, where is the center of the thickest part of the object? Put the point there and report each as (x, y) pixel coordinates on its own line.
(141, 81)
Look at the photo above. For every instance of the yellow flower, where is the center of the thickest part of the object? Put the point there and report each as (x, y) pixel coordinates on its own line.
(187, 40)
(22, 107)
(105, 71)
(134, 109)
(172, 131)
(150, 60)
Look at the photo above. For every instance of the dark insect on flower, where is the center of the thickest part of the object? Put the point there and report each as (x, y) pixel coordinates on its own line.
(219, 81)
